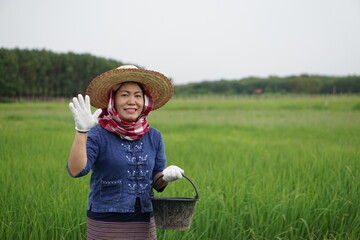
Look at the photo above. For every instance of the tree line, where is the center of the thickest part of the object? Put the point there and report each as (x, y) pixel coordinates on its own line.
(44, 74)
(302, 84)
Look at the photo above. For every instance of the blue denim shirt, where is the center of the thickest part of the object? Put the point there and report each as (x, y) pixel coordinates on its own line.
(122, 170)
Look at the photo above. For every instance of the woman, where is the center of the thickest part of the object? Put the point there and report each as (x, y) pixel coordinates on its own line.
(125, 154)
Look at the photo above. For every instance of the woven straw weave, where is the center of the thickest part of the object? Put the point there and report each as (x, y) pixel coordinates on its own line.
(157, 84)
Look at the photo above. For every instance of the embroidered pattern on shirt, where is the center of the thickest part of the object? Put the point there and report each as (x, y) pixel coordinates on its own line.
(137, 171)
(132, 147)
(131, 160)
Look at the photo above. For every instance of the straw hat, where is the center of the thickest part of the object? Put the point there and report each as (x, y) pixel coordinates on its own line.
(157, 84)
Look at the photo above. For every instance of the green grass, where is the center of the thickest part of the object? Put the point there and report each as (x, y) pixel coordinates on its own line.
(265, 168)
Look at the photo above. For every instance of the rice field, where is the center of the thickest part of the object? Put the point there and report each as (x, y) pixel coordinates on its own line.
(265, 168)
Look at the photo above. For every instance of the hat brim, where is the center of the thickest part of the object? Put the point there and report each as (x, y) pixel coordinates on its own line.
(157, 84)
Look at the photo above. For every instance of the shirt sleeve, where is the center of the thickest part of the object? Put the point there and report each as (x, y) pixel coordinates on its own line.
(160, 159)
(92, 151)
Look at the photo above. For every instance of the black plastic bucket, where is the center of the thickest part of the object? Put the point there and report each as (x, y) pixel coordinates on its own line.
(174, 213)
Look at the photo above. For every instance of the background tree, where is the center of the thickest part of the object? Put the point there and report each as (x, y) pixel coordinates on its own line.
(44, 74)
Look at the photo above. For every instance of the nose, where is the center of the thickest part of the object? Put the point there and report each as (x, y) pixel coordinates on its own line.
(131, 100)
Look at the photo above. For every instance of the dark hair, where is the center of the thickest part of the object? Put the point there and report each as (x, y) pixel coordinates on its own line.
(141, 86)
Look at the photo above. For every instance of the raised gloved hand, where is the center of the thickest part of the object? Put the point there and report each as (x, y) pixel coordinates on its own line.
(172, 173)
(81, 110)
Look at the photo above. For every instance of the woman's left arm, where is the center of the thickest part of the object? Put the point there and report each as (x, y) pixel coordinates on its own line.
(170, 174)
(159, 181)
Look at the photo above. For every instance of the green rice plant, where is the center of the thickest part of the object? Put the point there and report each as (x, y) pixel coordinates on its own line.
(265, 168)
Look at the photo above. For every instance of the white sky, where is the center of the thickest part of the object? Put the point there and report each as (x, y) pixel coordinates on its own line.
(192, 41)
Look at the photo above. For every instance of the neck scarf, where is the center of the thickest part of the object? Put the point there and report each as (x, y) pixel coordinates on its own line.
(111, 121)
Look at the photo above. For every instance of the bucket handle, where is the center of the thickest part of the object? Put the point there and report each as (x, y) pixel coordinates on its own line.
(192, 183)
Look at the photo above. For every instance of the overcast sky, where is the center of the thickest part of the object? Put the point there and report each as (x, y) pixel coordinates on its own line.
(192, 41)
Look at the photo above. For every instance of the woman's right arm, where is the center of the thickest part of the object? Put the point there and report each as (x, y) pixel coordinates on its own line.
(78, 158)
(84, 120)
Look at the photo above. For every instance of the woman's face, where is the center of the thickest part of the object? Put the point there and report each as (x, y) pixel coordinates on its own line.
(129, 102)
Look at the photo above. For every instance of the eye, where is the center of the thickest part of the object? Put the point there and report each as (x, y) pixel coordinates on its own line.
(124, 95)
(138, 96)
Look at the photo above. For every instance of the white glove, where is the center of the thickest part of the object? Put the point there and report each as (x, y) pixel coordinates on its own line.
(81, 111)
(172, 173)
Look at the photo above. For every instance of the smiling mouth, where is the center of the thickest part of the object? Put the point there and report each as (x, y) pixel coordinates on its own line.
(130, 110)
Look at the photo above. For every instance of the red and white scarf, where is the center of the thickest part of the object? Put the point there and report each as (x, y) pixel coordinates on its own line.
(111, 121)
